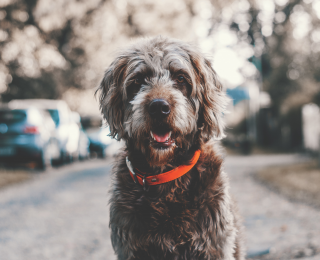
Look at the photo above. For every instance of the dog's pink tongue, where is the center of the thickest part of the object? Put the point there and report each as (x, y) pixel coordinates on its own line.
(161, 138)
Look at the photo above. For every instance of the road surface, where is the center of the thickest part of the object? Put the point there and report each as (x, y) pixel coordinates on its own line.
(63, 214)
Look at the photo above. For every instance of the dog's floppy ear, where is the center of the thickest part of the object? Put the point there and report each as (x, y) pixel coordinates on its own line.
(111, 96)
(211, 97)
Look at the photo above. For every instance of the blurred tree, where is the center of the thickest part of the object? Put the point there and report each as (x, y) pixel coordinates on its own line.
(285, 38)
(30, 65)
(290, 63)
(49, 46)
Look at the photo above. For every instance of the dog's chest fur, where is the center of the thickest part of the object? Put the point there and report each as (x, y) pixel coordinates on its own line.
(189, 218)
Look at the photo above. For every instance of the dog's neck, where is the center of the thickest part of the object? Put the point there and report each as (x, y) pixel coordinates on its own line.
(140, 161)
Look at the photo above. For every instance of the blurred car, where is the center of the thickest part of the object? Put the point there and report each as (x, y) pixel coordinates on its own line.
(99, 141)
(84, 146)
(27, 135)
(68, 132)
(84, 142)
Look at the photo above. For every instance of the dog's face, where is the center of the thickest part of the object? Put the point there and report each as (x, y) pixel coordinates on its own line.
(162, 95)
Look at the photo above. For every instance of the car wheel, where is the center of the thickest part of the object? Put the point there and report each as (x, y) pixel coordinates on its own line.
(60, 158)
(45, 159)
(102, 154)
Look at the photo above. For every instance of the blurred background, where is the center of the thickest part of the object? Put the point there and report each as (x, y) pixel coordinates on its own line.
(265, 52)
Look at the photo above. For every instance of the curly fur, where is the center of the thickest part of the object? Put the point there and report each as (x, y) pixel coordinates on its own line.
(192, 217)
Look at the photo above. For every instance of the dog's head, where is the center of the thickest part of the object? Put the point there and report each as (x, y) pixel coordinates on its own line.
(162, 95)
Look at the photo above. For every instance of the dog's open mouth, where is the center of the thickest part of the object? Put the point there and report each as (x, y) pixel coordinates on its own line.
(161, 138)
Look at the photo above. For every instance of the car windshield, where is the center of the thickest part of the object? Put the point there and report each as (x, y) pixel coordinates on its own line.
(12, 116)
(55, 116)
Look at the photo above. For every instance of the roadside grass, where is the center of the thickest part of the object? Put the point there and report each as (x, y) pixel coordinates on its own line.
(254, 150)
(299, 182)
(13, 175)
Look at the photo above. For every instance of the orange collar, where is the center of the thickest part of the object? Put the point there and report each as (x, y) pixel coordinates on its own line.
(142, 179)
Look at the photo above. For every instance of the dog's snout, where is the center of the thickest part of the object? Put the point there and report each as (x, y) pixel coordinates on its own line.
(159, 108)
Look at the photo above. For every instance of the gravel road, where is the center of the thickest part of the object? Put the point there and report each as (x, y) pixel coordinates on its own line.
(285, 229)
(63, 214)
(60, 215)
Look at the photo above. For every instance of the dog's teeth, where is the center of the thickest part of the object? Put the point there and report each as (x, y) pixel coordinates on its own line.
(169, 135)
(152, 135)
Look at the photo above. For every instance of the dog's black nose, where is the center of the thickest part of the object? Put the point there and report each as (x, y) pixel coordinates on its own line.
(159, 108)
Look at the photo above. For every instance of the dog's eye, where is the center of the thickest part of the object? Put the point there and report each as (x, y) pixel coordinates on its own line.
(181, 79)
(135, 86)
(182, 84)
(139, 80)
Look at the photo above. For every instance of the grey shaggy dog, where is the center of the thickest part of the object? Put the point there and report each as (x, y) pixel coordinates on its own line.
(162, 97)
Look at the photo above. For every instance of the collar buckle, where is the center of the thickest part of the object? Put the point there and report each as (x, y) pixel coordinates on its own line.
(144, 183)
